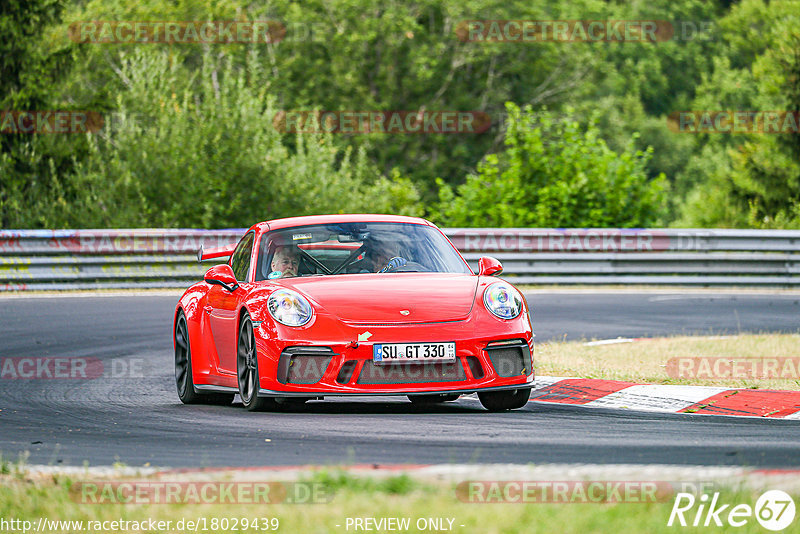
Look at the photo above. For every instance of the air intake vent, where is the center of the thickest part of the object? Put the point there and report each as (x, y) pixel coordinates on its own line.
(303, 365)
(411, 373)
(346, 372)
(476, 367)
(510, 359)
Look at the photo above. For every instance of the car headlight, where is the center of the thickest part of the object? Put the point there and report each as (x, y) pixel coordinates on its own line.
(502, 300)
(289, 308)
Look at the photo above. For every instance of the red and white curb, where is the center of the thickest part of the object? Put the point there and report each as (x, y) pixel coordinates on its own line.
(703, 400)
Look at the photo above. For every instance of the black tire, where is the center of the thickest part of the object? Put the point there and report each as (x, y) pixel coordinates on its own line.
(183, 370)
(499, 401)
(433, 398)
(247, 369)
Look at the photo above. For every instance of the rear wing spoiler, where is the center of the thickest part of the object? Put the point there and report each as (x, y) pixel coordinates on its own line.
(218, 252)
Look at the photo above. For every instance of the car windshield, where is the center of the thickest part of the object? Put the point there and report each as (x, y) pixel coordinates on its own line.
(353, 248)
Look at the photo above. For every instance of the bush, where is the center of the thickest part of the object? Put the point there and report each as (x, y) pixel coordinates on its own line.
(555, 173)
(199, 149)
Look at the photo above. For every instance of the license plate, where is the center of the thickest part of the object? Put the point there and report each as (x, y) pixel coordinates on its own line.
(413, 352)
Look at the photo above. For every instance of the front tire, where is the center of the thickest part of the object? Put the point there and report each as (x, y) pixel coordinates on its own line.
(183, 369)
(500, 401)
(247, 369)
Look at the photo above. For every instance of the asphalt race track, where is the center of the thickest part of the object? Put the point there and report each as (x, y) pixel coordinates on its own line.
(134, 415)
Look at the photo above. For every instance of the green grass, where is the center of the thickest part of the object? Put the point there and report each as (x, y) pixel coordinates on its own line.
(646, 360)
(358, 496)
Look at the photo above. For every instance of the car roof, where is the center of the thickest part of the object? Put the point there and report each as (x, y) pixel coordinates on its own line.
(289, 222)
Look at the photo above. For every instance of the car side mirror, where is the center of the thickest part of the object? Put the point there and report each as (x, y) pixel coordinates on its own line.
(487, 266)
(221, 275)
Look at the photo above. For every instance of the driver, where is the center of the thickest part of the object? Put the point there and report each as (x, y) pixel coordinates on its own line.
(285, 262)
(386, 257)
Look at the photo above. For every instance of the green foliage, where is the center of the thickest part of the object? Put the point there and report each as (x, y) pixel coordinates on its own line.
(359, 55)
(192, 141)
(29, 70)
(200, 149)
(25, 67)
(749, 180)
(555, 173)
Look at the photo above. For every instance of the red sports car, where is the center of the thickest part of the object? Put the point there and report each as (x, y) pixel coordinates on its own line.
(338, 305)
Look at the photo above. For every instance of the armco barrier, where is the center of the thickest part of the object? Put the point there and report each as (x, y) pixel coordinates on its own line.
(163, 258)
(113, 259)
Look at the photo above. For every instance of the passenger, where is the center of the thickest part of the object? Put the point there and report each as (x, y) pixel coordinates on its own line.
(285, 262)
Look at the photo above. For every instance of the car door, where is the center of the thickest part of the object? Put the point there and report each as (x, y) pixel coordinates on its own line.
(222, 306)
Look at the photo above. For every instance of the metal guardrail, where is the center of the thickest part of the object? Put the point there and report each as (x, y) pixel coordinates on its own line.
(112, 259)
(163, 258)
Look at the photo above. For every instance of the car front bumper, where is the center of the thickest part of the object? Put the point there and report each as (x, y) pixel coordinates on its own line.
(500, 357)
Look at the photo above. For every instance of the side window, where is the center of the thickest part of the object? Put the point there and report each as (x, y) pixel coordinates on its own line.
(240, 260)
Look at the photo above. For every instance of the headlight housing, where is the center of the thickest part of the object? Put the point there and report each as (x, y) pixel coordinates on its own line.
(502, 300)
(289, 308)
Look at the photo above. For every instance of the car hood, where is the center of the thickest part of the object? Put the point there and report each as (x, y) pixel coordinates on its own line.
(390, 298)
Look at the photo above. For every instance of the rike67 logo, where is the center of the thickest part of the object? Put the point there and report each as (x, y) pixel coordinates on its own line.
(774, 510)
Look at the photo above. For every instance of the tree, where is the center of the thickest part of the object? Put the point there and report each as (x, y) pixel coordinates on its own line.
(751, 179)
(200, 149)
(356, 55)
(29, 68)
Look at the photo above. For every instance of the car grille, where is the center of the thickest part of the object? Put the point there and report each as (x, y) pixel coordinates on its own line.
(303, 365)
(510, 359)
(411, 373)
(346, 372)
(475, 367)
